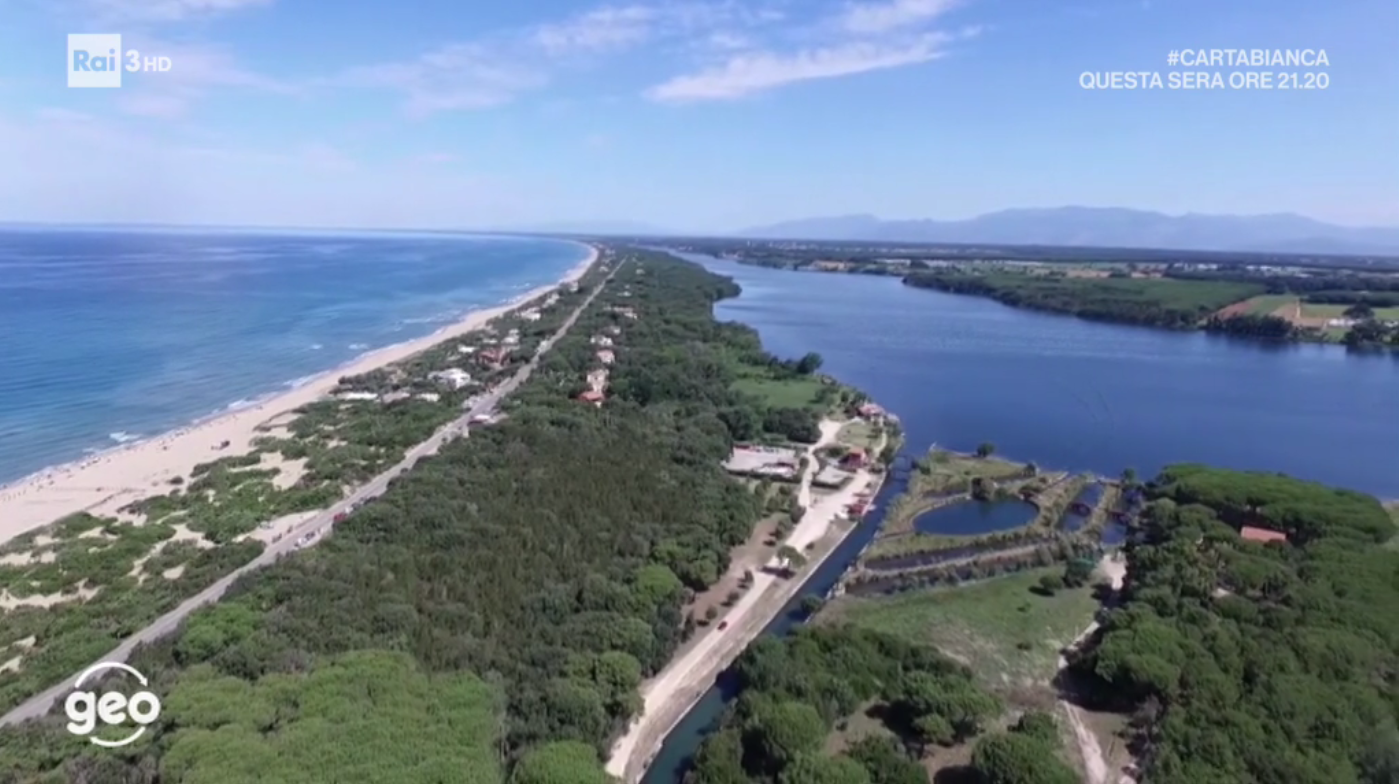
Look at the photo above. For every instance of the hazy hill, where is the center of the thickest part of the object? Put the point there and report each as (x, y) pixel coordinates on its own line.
(1102, 227)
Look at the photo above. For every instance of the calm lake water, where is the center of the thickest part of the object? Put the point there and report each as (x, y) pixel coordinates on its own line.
(969, 518)
(1063, 393)
(1078, 395)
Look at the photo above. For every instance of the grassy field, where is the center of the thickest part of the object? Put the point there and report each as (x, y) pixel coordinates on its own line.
(798, 392)
(1268, 303)
(858, 434)
(1310, 310)
(1008, 634)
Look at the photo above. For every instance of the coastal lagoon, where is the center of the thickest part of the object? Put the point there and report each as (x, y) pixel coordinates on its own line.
(1062, 392)
(1079, 395)
(111, 336)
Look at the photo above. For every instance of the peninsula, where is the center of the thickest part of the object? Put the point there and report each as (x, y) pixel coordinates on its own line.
(530, 585)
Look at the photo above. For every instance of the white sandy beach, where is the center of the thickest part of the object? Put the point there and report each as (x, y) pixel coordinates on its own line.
(104, 482)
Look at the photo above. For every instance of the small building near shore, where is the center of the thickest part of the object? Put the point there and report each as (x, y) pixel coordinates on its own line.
(606, 357)
(493, 356)
(831, 478)
(763, 462)
(870, 410)
(592, 396)
(1263, 535)
(455, 378)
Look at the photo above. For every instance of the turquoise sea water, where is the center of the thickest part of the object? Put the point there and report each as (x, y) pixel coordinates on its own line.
(110, 336)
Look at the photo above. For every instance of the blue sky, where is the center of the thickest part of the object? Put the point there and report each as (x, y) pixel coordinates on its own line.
(696, 115)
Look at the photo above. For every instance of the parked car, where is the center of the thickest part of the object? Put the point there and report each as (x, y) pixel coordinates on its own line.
(723, 625)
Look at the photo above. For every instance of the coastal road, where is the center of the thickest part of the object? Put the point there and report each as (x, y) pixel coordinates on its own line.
(320, 524)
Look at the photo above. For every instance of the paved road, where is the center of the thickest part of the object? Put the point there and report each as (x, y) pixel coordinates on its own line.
(321, 524)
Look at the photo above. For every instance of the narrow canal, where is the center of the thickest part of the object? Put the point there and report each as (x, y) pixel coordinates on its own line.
(681, 744)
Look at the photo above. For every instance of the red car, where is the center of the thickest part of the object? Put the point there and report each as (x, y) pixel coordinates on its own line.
(723, 625)
(341, 516)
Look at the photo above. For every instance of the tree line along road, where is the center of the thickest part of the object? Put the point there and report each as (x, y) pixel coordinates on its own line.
(41, 703)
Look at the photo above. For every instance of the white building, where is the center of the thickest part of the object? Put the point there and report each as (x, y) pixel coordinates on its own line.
(601, 340)
(456, 378)
(357, 396)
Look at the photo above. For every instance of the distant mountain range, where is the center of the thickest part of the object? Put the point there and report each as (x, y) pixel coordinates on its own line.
(1103, 227)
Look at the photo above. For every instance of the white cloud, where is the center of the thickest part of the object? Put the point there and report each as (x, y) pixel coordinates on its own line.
(457, 76)
(755, 72)
(196, 70)
(494, 70)
(865, 18)
(862, 37)
(603, 29)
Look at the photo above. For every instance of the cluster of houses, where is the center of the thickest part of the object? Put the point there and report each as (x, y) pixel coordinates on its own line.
(606, 354)
(489, 353)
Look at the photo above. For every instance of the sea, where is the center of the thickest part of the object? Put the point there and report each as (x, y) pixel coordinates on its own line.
(1080, 395)
(111, 336)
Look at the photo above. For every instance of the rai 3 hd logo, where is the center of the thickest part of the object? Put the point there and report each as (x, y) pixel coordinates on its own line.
(97, 60)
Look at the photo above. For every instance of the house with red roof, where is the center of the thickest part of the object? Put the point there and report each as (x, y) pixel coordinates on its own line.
(1263, 535)
(855, 458)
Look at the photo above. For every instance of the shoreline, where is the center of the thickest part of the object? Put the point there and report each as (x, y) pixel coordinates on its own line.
(101, 482)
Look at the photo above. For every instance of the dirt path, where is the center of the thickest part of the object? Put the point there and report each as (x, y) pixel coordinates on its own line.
(1114, 567)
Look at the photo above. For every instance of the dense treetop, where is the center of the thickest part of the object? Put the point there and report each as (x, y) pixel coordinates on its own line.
(1250, 662)
(794, 691)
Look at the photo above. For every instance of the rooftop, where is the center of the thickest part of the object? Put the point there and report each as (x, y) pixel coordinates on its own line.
(1253, 534)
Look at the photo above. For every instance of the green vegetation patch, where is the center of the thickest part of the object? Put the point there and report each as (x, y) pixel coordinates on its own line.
(796, 691)
(368, 716)
(1272, 652)
(1267, 304)
(1004, 628)
(793, 392)
(1311, 310)
(1162, 302)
